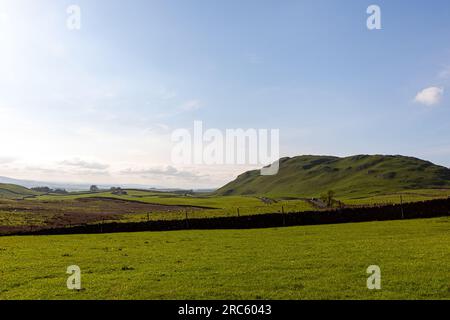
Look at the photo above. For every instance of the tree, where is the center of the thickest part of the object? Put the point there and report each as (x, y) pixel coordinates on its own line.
(330, 198)
(94, 188)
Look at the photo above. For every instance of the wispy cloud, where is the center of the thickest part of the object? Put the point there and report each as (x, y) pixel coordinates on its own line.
(5, 160)
(168, 171)
(78, 163)
(430, 96)
(185, 107)
(157, 128)
(47, 171)
(191, 105)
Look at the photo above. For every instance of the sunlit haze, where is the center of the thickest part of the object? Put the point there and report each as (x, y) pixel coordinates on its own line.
(99, 104)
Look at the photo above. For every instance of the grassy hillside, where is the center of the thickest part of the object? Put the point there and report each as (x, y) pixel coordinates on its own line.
(12, 191)
(316, 262)
(355, 176)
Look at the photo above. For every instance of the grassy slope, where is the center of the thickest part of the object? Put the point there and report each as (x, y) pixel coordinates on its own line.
(349, 177)
(314, 262)
(12, 191)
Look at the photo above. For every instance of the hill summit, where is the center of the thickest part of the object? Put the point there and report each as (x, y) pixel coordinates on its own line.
(360, 175)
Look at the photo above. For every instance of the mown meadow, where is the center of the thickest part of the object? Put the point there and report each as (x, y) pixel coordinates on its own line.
(308, 262)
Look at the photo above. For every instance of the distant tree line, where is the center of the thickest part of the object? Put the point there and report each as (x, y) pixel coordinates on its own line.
(50, 190)
(93, 188)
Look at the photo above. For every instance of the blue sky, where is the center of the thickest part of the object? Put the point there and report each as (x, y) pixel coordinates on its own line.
(96, 104)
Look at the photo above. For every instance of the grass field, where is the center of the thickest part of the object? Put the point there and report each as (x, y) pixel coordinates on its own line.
(138, 205)
(226, 205)
(79, 208)
(253, 204)
(314, 262)
(397, 197)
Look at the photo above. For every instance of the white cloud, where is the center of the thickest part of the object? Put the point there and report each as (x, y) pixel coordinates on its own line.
(430, 96)
(191, 105)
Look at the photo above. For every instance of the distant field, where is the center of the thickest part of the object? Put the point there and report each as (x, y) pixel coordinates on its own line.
(101, 207)
(397, 197)
(52, 210)
(227, 205)
(214, 206)
(12, 191)
(314, 262)
(253, 204)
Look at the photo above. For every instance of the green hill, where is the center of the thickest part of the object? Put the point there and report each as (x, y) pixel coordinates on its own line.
(361, 175)
(13, 191)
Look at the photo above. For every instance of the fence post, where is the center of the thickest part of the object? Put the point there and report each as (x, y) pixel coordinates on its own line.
(186, 217)
(401, 205)
(238, 213)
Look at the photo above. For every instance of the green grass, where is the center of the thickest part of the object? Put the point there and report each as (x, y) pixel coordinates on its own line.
(356, 176)
(21, 218)
(220, 206)
(247, 205)
(397, 197)
(12, 191)
(50, 209)
(42, 210)
(311, 262)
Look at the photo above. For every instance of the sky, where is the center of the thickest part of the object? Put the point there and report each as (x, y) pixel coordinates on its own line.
(99, 104)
